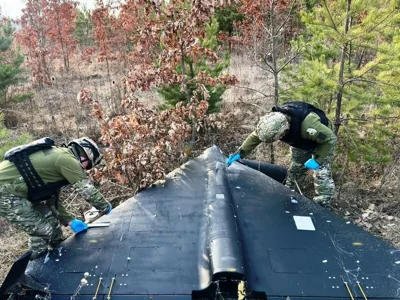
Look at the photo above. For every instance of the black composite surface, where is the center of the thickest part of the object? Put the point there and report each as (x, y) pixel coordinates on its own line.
(208, 223)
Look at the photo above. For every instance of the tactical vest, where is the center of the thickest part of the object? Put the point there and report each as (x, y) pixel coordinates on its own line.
(298, 111)
(37, 189)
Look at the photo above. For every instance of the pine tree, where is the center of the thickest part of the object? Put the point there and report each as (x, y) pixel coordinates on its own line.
(226, 18)
(173, 94)
(350, 69)
(83, 28)
(10, 61)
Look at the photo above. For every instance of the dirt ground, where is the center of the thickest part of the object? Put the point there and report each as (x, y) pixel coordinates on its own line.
(372, 203)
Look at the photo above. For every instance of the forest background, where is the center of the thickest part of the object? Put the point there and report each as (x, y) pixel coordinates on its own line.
(157, 82)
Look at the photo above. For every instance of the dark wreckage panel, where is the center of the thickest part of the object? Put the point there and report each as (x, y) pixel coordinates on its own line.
(209, 231)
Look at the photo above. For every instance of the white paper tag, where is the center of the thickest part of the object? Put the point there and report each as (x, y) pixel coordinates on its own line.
(304, 223)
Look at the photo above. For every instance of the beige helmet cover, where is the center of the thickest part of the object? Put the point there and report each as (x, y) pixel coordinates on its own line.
(94, 158)
(272, 127)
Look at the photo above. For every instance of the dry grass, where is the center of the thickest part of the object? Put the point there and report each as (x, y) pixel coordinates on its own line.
(14, 243)
(54, 110)
(244, 100)
(373, 204)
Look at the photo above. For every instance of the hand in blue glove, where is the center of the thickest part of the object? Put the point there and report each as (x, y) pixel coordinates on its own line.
(232, 158)
(78, 225)
(109, 209)
(311, 164)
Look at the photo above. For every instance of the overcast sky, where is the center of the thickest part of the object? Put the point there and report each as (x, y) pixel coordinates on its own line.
(12, 8)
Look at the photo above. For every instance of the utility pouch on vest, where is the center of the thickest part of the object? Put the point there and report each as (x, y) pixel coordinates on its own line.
(37, 189)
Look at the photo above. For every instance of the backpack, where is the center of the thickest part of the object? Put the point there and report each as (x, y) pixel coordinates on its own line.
(30, 148)
(298, 111)
(37, 189)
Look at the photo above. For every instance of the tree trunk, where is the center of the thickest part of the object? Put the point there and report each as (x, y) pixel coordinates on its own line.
(273, 53)
(275, 68)
(191, 69)
(63, 50)
(4, 104)
(341, 71)
(187, 93)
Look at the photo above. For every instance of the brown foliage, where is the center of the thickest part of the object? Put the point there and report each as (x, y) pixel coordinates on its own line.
(144, 144)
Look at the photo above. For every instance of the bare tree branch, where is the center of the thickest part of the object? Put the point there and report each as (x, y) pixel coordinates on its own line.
(267, 29)
(258, 98)
(297, 54)
(383, 20)
(359, 76)
(361, 58)
(370, 119)
(254, 90)
(10, 110)
(277, 45)
(287, 17)
(288, 62)
(121, 186)
(270, 67)
(374, 27)
(252, 104)
(370, 81)
(330, 17)
(321, 24)
(341, 69)
(349, 135)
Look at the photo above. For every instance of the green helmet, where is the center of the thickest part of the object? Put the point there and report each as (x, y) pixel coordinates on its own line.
(272, 127)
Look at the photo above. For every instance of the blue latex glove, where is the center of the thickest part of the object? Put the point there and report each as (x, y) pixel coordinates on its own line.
(109, 209)
(311, 164)
(232, 158)
(78, 226)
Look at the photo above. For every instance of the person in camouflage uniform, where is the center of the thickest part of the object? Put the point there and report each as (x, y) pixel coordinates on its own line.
(41, 219)
(309, 133)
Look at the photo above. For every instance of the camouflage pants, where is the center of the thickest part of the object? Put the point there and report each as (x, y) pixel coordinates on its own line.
(36, 219)
(323, 182)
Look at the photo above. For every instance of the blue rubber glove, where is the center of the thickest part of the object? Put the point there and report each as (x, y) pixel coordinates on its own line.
(311, 164)
(109, 209)
(78, 226)
(232, 158)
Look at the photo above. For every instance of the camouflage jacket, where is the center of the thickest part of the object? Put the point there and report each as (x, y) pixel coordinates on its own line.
(311, 129)
(53, 165)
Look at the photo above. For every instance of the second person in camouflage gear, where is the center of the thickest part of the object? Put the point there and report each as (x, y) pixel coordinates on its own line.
(41, 220)
(309, 133)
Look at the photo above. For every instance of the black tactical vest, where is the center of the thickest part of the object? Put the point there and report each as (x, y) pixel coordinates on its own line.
(37, 189)
(298, 111)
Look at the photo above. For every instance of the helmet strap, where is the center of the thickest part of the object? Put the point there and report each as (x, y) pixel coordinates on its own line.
(75, 151)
